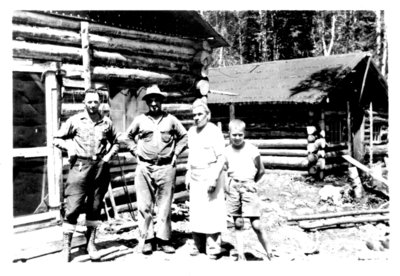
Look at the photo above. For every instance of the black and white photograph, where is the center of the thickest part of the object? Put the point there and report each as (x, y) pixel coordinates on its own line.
(200, 137)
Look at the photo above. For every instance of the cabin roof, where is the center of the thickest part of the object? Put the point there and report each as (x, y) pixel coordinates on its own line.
(305, 80)
(184, 24)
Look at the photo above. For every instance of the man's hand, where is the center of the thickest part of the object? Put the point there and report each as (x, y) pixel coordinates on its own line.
(106, 158)
(173, 162)
(211, 188)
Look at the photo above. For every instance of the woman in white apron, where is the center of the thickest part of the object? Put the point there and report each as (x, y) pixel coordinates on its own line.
(205, 182)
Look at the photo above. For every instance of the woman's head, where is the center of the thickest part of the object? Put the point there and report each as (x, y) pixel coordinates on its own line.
(201, 113)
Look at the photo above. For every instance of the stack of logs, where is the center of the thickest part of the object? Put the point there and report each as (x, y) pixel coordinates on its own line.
(316, 222)
(316, 152)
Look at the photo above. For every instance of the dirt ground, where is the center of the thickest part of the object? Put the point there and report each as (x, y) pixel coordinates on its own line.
(283, 195)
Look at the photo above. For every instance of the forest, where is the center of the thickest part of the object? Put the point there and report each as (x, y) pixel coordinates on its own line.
(268, 35)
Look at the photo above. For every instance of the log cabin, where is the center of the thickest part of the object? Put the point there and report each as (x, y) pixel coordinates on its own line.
(305, 113)
(59, 54)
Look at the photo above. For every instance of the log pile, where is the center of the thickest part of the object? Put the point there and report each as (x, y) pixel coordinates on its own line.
(316, 152)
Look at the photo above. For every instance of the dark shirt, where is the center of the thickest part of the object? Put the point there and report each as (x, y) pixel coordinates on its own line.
(87, 138)
(157, 139)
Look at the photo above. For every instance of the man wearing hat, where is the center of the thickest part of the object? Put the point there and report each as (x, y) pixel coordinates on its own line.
(90, 140)
(157, 139)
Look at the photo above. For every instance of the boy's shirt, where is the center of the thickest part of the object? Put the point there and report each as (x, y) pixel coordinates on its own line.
(240, 162)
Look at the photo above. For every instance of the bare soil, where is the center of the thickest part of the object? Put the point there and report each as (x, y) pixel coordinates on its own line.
(283, 194)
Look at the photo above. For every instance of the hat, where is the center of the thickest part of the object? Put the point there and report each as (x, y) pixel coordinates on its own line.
(154, 91)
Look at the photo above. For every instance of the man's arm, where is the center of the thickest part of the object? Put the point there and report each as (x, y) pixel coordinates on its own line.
(113, 140)
(181, 137)
(62, 138)
(131, 133)
(260, 168)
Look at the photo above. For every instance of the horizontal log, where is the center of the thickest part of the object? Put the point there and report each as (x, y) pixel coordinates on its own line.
(46, 51)
(72, 38)
(336, 153)
(39, 19)
(274, 134)
(283, 152)
(335, 147)
(279, 143)
(337, 214)
(136, 60)
(141, 47)
(283, 161)
(337, 221)
(336, 166)
(177, 107)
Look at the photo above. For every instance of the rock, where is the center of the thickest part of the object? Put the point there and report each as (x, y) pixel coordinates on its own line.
(385, 243)
(330, 193)
(374, 245)
(289, 205)
(304, 211)
(299, 203)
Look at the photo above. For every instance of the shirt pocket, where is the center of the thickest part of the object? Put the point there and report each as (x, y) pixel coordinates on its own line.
(166, 136)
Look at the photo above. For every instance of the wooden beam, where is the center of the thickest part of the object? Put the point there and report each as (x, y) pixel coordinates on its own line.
(365, 169)
(349, 132)
(338, 221)
(284, 161)
(54, 160)
(86, 74)
(371, 135)
(337, 214)
(231, 111)
(30, 152)
(115, 72)
(280, 143)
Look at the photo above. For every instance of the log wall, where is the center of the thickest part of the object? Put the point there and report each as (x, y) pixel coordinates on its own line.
(43, 37)
(120, 60)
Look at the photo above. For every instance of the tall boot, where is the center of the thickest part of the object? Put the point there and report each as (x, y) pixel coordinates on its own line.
(66, 251)
(90, 246)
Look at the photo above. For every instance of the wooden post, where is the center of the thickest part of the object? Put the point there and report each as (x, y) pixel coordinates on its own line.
(357, 186)
(322, 143)
(86, 54)
(231, 112)
(54, 159)
(349, 135)
(371, 135)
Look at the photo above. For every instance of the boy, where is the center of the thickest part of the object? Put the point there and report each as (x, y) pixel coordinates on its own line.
(244, 170)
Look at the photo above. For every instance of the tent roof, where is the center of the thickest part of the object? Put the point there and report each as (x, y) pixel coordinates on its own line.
(305, 80)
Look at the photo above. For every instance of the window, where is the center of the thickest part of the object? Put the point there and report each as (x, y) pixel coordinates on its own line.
(30, 141)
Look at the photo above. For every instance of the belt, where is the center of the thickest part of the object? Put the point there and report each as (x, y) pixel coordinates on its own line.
(158, 162)
(242, 181)
(91, 158)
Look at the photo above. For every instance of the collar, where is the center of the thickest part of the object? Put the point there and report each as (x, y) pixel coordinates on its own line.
(85, 115)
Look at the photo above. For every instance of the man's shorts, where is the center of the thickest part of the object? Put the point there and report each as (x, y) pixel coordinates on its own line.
(242, 199)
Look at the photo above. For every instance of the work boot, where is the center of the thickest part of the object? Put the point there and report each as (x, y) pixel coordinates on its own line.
(66, 251)
(147, 247)
(166, 247)
(91, 247)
